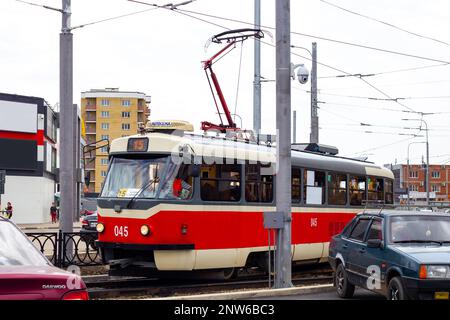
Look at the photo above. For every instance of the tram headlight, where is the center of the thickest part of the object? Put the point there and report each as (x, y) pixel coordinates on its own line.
(145, 230)
(100, 227)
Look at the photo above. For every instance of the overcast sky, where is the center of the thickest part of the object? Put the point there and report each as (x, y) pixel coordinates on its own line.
(159, 52)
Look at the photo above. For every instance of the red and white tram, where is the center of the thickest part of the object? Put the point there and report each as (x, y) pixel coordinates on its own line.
(174, 201)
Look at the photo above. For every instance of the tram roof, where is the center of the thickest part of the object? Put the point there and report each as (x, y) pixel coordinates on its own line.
(220, 147)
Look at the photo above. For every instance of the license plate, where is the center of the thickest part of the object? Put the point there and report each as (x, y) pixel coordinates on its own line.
(441, 295)
(93, 224)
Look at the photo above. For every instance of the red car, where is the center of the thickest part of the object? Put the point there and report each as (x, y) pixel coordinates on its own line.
(26, 274)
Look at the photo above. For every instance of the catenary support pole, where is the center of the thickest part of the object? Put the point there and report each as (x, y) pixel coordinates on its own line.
(314, 138)
(283, 121)
(294, 124)
(257, 74)
(67, 123)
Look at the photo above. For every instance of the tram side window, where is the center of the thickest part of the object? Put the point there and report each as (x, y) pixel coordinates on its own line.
(178, 184)
(220, 182)
(314, 186)
(337, 189)
(389, 194)
(357, 185)
(375, 189)
(296, 184)
(258, 187)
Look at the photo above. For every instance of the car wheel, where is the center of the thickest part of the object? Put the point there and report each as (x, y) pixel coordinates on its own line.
(344, 288)
(396, 290)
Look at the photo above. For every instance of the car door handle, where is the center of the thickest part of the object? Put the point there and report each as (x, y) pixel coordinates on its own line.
(344, 246)
(362, 250)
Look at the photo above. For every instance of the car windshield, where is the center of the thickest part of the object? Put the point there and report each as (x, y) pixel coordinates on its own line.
(147, 178)
(16, 249)
(419, 228)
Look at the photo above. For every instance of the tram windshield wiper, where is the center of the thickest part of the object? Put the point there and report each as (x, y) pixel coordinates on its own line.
(142, 189)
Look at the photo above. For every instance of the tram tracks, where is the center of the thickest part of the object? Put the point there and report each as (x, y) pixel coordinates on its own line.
(104, 287)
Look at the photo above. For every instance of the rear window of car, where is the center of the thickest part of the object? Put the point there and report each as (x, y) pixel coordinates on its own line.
(359, 230)
(16, 249)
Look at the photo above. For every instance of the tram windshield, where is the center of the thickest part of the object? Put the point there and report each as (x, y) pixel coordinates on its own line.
(154, 178)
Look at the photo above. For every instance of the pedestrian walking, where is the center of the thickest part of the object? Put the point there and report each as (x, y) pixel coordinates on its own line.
(9, 210)
(53, 212)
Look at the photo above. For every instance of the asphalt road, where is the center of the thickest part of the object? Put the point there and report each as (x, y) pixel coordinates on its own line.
(360, 294)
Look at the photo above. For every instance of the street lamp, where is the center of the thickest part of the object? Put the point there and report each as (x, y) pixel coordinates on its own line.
(407, 168)
(427, 172)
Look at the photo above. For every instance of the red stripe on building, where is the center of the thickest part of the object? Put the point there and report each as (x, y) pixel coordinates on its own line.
(38, 137)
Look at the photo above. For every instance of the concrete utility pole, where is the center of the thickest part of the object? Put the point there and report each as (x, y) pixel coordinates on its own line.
(427, 174)
(67, 149)
(407, 170)
(427, 170)
(294, 123)
(314, 137)
(283, 108)
(257, 74)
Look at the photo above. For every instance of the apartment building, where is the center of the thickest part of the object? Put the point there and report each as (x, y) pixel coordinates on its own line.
(109, 114)
(412, 178)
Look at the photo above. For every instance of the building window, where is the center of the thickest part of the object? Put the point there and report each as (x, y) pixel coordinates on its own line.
(314, 188)
(105, 126)
(104, 162)
(103, 173)
(126, 114)
(126, 103)
(105, 114)
(126, 126)
(105, 102)
(258, 184)
(413, 174)
(357, 186)
(104, 149)
(413, 187)
(435, 174)
(337, 189)
(435, 188)
(220, 182)
(105, 136)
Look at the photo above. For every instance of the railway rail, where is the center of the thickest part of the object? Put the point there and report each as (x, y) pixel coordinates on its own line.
(104, 287)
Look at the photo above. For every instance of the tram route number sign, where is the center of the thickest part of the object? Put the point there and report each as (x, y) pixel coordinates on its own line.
(2, 181)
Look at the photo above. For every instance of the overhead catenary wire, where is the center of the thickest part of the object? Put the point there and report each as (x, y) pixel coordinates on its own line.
(369, 132)
(185, 12)
(385, 23)
(383, 146)
(404, 84)
(388, 72)
(320, 38)
(365, 81)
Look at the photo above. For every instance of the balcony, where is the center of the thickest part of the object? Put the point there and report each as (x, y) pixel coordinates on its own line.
(90, 108)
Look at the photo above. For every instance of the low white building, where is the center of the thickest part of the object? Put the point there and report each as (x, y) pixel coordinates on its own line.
(28, 134)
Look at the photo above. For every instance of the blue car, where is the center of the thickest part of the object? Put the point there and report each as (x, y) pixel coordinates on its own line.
(399, 254)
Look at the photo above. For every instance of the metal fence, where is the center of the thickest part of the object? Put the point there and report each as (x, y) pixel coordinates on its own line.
(65, 249)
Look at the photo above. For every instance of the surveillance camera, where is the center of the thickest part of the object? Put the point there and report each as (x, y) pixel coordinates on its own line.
(302, 74)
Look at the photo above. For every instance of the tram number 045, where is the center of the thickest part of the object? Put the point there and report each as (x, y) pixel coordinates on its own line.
(121, 231)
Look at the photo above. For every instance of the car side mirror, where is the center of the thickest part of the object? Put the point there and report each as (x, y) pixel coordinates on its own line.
(375, 243)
